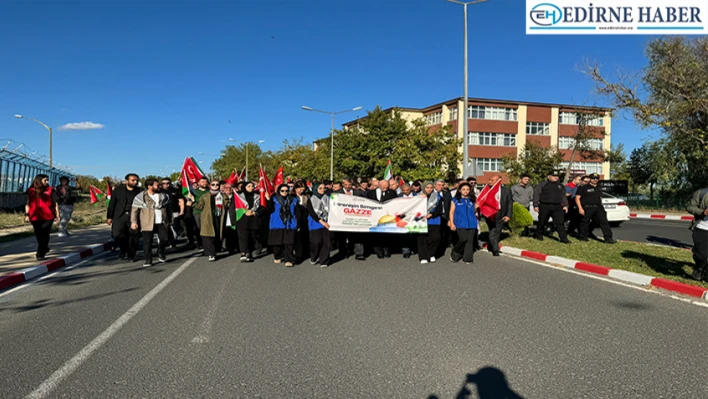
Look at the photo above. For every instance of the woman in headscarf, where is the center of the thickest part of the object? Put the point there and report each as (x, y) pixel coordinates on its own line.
(283, 225)
(302, 238)
(428, 243)
(463, 219)
(249, 225)
(212, 219)
(320, 238)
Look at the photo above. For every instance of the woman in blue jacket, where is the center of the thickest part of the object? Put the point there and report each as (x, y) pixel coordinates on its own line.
(320, 239)
(283, 225)
(463, 219)
(428, 243)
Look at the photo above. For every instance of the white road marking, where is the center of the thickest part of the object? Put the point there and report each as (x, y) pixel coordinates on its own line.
(205, 330)
(75, 362)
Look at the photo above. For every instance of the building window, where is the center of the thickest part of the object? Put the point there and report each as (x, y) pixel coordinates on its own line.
(492, 113)
(453, 114)
(489, 164)
(571, 118)
(496, 139)
(434, 118)
(588, 167)
(538, 128)
(567, 143)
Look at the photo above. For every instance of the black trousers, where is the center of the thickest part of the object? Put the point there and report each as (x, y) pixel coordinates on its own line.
(247, 239)
(231, 240)
(428, 243)
(547, 211)
(575, 220)
(495, 229)
(162, 239)
(126, 238)
(320, 246)
(445, 238)
(465, 246)
(198, 229)
(359, 241)
(381, 239)
(302, 244)
(598, 214)
(174, 230)
(190, 226)
(42, 230)
(212, 245)
(344, 243)
(284, 252)
(700, 248)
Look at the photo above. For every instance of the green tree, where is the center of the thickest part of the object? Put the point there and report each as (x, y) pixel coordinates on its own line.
(581, 138)
(86, 181)
(233, 158)
(534, 160)
(671, 93)
(618, 162)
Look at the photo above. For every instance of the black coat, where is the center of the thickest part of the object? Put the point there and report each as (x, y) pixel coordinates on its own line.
(385, 196)
(121, 200)
(446, 200)
(355, 192)
(507, 203)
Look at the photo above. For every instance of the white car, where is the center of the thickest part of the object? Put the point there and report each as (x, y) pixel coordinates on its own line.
(616, 208)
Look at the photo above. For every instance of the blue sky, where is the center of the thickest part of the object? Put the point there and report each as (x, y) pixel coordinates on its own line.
(165, 78)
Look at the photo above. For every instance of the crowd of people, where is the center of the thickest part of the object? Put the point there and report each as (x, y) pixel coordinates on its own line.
(293, 225)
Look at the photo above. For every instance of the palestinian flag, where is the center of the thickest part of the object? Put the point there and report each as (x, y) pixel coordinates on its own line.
(241, 208)
(108, 193)
(95, 194)
(388, 174)
(401, 181)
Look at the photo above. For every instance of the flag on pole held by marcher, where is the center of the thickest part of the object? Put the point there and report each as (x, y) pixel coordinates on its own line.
(242, 175)
(489, 200)
(278, 178)
(191, 173)
(95, 194)
(233, 179)
(109, 193)
(309, 184)
(263, 186)
(240, 207)
(388, 174)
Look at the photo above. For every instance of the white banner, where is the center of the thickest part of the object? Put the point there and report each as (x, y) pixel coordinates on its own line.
(616, 17)
(359, 214)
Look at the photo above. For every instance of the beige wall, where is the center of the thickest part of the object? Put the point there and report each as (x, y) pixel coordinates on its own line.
(409, 116)
(607, 143)
(554, 126)
(521, 129)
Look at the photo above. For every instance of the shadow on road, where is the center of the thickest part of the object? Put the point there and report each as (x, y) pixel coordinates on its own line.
(663, 265)
(669, 242)
(491, 384)
(43, 303)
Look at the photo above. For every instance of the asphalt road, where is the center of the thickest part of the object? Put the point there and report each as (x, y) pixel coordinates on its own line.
(673, 233)
(393, 329)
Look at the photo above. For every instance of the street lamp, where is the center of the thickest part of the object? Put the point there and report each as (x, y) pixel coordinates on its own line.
(46, 127)
(259, 142)
(465, 150)
(331, 136)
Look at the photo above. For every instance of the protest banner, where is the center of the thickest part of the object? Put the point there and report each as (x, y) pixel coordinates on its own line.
(359, 214)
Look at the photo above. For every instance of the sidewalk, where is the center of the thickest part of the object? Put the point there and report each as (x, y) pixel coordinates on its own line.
(19, 254)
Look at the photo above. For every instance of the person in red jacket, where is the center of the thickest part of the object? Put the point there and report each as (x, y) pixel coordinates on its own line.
(42, 210)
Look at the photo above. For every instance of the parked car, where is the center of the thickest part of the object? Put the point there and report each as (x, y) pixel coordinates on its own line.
(616, 208)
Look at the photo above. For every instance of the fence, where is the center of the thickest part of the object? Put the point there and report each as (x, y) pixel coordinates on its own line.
(19, 165)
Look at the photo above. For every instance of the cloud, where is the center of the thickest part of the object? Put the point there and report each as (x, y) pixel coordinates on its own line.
(81, 126)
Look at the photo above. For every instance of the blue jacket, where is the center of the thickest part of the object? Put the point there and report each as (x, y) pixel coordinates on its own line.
(436, 213)
(464, 217)
(275, 222)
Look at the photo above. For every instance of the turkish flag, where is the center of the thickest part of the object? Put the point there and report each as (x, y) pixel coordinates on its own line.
(262, 186)
(489, 200)
(278, 178)
(233, 179)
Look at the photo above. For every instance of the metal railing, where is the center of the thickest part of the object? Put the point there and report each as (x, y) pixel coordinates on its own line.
(19, 165)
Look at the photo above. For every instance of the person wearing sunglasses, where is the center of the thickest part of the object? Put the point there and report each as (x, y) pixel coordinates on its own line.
(320, 237)
(212, 219)
(283, 225)
(249, 225)
(176, 207)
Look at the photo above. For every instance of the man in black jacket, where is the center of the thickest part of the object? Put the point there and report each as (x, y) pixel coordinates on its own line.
(381, 194)
(549, 200)
(445, 233)
(118, 216)
(496, 223)
(343, 240)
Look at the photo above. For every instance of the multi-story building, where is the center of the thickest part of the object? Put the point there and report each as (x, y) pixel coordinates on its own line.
(500, 127)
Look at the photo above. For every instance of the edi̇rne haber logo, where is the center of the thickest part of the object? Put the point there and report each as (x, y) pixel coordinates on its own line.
(617, 17)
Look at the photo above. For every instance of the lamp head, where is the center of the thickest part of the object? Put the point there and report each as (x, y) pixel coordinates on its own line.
(356, 109)
(306, 108)
(18, 116)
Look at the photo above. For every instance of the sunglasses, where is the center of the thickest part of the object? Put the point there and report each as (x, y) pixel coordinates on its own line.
(165, 184)
(283, 191)
(215, 185)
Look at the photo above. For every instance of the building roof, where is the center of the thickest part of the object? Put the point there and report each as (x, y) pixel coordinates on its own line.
(485, 100)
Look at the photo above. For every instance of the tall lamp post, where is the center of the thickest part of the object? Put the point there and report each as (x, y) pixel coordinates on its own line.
(259, 142)
(46, 127)
(331, 135)
(465, 156)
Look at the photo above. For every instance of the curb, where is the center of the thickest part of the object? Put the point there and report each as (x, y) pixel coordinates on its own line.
(15, 278)
(659, 216)
(622, 275)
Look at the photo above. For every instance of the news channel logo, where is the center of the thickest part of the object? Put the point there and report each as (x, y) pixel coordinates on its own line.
(546, 14)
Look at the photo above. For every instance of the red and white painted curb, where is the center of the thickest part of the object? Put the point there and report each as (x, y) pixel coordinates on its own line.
(622, 275)
(19, 277)
(659, 216)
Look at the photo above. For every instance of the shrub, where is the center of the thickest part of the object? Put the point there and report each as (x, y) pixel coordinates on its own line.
(520, 219)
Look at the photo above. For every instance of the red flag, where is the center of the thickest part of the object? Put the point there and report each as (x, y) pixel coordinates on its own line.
(278, 178)
(242, 175)
(95, 194)
(109, 193)
(309, 184)
(233, 179)
(191, 173)
(489, 200)
(262, 186)
(268, 185)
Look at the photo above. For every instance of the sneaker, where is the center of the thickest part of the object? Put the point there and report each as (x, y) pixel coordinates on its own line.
(469, 263)
(41, 257)
(324, 265)
(423, 262)
(67, 233)
(277, 261)
(289, 264)
(610, 241)
(61, 235)
(147, 264)
(243, 259)
(432, 259)
(452, 260)
(162, 259)
(212, 258)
